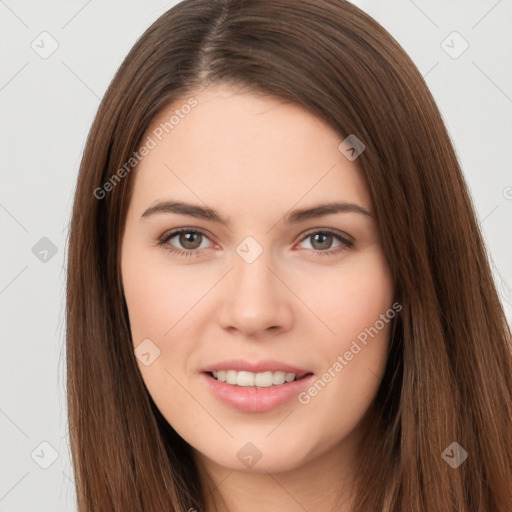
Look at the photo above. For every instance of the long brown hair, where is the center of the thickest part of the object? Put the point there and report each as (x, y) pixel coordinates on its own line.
(449, 373)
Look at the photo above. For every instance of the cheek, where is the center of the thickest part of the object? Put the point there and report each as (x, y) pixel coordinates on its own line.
(156, 302)
(163, 307)
(352, 299)
(155, 296)
(358, 309)
(145, 304)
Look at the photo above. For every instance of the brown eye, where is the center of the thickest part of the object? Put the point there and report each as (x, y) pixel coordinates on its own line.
(188, 239)
(188, 242)
(324, 241)
(321, 242)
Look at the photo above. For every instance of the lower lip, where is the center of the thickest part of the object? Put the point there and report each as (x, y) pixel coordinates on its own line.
(253, 399)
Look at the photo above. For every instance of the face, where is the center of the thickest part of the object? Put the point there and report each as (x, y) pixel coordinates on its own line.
(244, 284)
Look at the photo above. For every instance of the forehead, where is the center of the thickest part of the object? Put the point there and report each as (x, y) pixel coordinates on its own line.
(234, 147)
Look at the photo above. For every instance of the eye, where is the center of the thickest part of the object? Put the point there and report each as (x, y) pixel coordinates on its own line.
(322, 239)
(190, 240)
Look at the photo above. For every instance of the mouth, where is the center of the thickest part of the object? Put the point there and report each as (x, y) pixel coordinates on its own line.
(256, 380)
(251, 386)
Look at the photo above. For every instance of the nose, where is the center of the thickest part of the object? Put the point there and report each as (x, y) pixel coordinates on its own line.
(255, 298)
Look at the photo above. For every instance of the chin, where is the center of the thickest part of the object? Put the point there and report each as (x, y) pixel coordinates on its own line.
(256, 457)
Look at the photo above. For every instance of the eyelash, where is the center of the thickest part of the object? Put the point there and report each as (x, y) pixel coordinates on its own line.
(162, 242)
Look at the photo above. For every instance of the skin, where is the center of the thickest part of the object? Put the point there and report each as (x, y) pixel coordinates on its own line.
(254, 158)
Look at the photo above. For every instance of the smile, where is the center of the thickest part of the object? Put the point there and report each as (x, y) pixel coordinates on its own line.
(256, 392)
(259, 380)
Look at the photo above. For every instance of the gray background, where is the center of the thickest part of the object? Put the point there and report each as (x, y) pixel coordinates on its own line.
(47, 106)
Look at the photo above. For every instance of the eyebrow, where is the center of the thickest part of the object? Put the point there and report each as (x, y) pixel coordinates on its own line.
(293, 217)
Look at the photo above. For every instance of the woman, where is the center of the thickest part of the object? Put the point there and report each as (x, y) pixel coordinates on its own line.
(257, 370)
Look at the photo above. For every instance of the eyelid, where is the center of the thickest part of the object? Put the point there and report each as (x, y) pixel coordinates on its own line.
(330, 231)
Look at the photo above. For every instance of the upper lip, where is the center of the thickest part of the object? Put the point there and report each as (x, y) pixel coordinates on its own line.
(268, 365)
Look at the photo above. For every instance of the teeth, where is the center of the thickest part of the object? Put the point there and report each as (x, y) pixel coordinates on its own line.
(231, 377)
(280, 378)
(250, 379)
